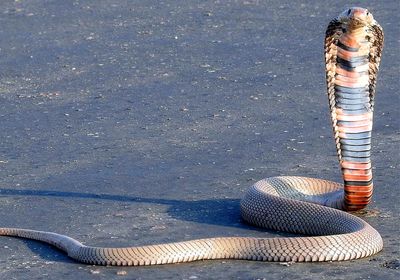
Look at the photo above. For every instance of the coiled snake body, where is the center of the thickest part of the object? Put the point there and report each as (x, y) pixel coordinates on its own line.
(353, 46)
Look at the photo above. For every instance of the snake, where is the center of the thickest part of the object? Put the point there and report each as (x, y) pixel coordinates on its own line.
(318, 209)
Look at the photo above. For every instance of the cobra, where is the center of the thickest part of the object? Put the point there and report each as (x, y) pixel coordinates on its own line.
(313, 207)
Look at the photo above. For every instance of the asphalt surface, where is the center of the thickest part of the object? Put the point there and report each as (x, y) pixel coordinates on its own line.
(139, 122)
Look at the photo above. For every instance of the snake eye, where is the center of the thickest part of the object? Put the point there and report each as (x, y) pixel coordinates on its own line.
(348, 12)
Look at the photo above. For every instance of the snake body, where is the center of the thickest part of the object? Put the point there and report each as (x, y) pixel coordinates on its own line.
(353, 46)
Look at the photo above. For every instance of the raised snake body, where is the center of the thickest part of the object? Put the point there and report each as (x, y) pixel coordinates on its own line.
(353, 47)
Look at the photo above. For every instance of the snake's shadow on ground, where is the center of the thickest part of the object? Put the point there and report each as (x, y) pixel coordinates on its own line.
(222, 212)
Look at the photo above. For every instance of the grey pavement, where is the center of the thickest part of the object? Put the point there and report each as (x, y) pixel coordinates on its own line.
(139, 122)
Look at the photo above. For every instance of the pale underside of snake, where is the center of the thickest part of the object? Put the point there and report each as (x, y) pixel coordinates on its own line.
(353, 47)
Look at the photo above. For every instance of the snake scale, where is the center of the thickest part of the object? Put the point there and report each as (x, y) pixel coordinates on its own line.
(353, 47)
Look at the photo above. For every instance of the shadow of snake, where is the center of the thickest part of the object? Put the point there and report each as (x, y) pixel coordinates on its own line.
(222, 212)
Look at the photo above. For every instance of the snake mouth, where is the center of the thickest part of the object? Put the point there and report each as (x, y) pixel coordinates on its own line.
(356, 23)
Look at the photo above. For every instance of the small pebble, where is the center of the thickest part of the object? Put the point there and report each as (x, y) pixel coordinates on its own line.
(286, 263)
(122, 272)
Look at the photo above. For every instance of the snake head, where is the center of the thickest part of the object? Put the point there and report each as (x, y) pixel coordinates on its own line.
(356, 17)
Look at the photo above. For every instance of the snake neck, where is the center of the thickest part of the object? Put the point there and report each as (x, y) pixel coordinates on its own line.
(354, 115)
